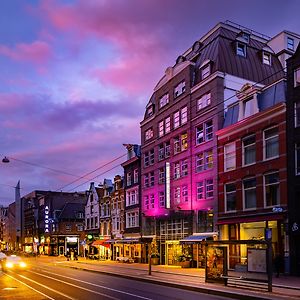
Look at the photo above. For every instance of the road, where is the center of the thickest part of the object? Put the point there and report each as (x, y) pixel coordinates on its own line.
(49, 281)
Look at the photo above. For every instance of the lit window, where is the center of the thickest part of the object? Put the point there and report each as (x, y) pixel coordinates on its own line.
(183, 115)
(208, 159)
(161, 128)
(297, 158)
(185, 197)
(204, 161)
(184, 143)
(162, 201)
(177, 195)
(297, 77)
(249, 150)
(249, 187)
(229, 157)
(241, 49)
(176, 119)
(297, 114)
(204, 101)
(167, 125)
(179, 89)
(205, 72)
(164, 100)
(200, 190)
(209, 188)
(230, 197)
(271, 143)
(267, 58)
(290, 43)
(148, 134)
(271, 189)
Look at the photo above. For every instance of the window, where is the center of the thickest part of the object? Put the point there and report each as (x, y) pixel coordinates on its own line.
(152, 202)
(267, 58)
(209, 188)
(162, 202)
(167, 149)
(161, 177)
(230, 197)
(164, 100)
(146, 180)
(136, 176)
(146, 159)
(184, 168)
(184, 115)
(229, 157)
(148, 134)
(151, 178)
(161, 128)
(204, 101)
(150, 111)
(161, 152)
(271, 189)
(249, 107)
(297, 114)
(297, 77)
(146, 199)
(184, 144)
(167, 125)
(132, 219)
(204, 160)
(290, 43)
(69, 227)
(176, 170)
(176, 119)
(204, 132)
(205, 71)
(79, 227)
(128, 178)
(176, 145)
(177, 195)
(249, 150)
(249, 186)
(151, 157)
(131, 197)
(271, 143)
(241, 49)
(179, 89)
(184, 191)
(200, 191)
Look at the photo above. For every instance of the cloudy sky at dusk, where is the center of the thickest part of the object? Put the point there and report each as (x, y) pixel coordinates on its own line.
(76, 76)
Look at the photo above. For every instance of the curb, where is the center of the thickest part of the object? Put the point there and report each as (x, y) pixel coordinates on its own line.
(215, 292)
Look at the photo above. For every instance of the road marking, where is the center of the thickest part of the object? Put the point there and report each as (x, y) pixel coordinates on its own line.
(30, 287)
(71, 284)
(93, 284)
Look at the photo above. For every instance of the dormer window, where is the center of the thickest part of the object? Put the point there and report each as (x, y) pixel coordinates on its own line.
(205, 71)
(297, 77)
(164, 100)
(241, 49)
(150, 111)
(290, 44)
(266, 58)
(179, 89)
(245, 36)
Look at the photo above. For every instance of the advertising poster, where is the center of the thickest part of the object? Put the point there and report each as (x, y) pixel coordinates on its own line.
(257, 260)
(216, 264)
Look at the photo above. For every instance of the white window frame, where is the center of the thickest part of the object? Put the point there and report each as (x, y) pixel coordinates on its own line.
(177, 146)
(146, 180)
(162, 199)
(152, 201)
(184, 117)
(265, 140)
(200, 190)
(290, 43)
(179, 89)
(229, 156)
(248, 147)
(205, 71)
(249, 189)
(167, 149)
(227, 193)
(151, 157)
(151, 179)
(176, 119)
(297, 77)
(209, 188)
(167, 125)
(161, 175)
(161, 152)
(149, 134)
(271, 184)
(184, 192)
(177, 170)
(128, 182)
(241, 49)
(135, 175)
(177, 195)
(204, 101)
(146, 201)
(267, 58)
(163, 100)
(161, 128)
(184, 168)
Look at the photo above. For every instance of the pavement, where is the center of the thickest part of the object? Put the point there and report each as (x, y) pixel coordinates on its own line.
(284, 287)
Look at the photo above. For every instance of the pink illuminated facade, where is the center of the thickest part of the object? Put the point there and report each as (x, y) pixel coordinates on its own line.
(179, 170)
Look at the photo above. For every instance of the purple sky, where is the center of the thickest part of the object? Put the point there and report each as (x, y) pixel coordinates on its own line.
(76, 76)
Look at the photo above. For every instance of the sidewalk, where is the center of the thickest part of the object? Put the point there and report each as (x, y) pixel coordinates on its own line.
(284, 287)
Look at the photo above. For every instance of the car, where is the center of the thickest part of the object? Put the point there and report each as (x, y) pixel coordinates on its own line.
(13, 262)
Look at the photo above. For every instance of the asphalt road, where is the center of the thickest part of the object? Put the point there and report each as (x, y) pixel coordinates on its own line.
(49, 281)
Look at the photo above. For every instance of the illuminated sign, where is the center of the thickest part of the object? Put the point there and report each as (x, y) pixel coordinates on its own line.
(167, 186)
(46, 218)
(71, 239)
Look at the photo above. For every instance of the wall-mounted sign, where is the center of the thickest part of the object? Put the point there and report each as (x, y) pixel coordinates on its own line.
(71, 239)
(168, 186)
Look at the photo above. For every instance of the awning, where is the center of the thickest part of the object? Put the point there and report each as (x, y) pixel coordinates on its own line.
(198, 237)
(99, 242)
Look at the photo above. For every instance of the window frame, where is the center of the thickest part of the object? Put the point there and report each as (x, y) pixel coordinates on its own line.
(149, 133)
(161, 128)
(271, 184)
(228, 156)
(226, 194)
(297, 77)
(207, 186)
(179, 89)
(200, 190)
(164, 100)
(290, 43)
(253, 144)
(267, 58)
(205, 71)
(269, 138)
(249, 189)
(204, 101)
(241, 49)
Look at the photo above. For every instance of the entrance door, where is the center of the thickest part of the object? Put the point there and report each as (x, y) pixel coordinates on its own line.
(61, 250)
(173, 250)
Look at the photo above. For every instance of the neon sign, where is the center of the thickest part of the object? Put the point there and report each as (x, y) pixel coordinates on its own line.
(167, 186)
(46, 218)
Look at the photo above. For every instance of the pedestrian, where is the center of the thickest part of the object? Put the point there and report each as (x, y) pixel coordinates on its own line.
(277, 263)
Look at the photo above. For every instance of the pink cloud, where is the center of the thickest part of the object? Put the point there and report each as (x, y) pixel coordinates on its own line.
(37, 52)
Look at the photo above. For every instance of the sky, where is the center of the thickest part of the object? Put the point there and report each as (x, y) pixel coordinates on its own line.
(76, 76)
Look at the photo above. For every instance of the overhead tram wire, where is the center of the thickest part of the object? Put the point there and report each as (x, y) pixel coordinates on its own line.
(85, 175)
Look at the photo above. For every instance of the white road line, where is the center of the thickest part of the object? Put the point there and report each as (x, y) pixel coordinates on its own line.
(30, 287)
(97, 285)
(79, 287)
